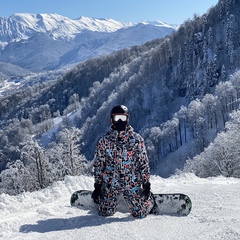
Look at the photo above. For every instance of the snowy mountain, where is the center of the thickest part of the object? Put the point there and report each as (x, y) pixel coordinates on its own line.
(47, 214)
(39, 42)
(22, 25)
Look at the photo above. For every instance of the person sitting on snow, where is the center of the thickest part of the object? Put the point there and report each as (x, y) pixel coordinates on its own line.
(121, 166)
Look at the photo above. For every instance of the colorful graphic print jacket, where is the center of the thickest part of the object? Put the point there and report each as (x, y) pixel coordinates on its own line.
(121, 160)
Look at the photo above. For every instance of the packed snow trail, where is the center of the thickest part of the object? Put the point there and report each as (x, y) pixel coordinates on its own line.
(47, 214)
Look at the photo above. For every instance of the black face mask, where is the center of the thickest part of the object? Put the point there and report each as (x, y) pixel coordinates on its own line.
(120, 125)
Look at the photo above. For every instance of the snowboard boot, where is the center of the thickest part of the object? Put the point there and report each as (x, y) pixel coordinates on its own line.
(154, 205)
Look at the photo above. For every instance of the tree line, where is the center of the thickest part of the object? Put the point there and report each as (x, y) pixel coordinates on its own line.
(36, 167)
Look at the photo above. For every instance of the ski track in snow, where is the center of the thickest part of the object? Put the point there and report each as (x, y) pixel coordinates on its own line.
(47, 214)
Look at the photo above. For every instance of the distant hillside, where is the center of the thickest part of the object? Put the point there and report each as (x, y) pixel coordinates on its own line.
(7, 69)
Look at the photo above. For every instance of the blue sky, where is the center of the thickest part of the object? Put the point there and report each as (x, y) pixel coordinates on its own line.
(169, 11)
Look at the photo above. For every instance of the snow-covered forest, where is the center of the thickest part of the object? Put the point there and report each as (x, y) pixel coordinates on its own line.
(183, 95)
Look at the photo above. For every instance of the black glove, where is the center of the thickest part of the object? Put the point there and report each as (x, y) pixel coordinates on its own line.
(146, 190)
(97, 193)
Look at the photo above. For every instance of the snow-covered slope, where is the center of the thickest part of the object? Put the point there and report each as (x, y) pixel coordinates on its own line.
(47, 214)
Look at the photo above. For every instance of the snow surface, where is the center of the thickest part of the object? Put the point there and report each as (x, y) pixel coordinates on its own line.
(47, 214)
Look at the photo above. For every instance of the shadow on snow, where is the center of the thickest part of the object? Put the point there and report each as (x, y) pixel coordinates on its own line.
(60, 224)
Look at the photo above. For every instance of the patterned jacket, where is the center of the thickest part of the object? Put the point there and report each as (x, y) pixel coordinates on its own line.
(121, 160)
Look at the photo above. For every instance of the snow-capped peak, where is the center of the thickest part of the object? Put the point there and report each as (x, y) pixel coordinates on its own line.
(22, 24)
(101, 24)
(20, 32)
(158, 23)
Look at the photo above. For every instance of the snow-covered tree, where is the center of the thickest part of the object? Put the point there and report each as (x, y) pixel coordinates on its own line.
(69, 140)
(17, 178)
(33, 156)
(210, 107)
(229, 42)
(182, 115)
(222, 157)
(235, 80)
(73, 104)
(227, 95)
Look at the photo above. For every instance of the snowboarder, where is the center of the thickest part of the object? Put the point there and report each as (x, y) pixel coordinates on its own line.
(121, 167)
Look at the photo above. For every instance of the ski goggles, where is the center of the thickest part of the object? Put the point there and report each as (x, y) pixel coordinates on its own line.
(118, 117)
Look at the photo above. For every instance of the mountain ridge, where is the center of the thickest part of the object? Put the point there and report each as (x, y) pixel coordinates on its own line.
(51, 23)
(38, 42)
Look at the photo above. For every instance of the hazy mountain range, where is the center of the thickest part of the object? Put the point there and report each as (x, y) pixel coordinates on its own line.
(37, 42)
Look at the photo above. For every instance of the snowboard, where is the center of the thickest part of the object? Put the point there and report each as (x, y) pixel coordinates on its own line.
(165, 204)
